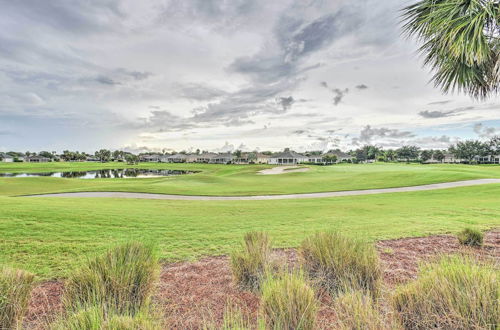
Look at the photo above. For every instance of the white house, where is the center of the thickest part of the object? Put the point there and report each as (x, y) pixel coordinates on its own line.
(287, 158)
(225, 158)
(155, 158)
(36, 159)
(6, 158)
(177, 158)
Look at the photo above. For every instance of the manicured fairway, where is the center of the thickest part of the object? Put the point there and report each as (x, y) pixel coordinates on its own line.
(49, 236)
(240, 180)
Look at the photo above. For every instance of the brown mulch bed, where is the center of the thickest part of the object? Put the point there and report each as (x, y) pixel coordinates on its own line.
(191, 293)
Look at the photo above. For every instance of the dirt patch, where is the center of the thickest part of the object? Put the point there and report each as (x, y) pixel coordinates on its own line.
(45, 305)
(191, 293)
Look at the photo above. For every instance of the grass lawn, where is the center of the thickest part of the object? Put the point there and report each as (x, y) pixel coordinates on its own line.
(242, 179)
(49, 236)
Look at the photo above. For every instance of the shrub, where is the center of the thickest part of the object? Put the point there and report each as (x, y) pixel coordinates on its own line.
(15, 293)
(93, 318)
(454, 293)
(122, 280)
(249, 264)
(470, 237)
(356, 311)
(338, 263)
(288, 302)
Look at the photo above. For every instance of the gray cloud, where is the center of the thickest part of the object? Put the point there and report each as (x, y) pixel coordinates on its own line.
(338, 94)
(439, 102)
(368, 133)
(444, 113)
(361, 86)
(485, 132)
(285, 102)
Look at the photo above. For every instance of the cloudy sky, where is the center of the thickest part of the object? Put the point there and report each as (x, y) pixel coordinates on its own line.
(221, 74)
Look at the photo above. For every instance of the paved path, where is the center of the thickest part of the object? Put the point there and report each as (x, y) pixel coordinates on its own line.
(283, 169)
(272, 197)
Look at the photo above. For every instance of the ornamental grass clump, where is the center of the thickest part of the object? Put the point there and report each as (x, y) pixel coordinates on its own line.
(249, 264)
(96, 317)
(471, 237)
(356, 311)
(338, 263)
(288, 302)
(121, 280)
(15, 292)
(454, 293)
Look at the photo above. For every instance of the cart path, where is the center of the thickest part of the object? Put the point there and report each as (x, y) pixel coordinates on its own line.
(434, 186)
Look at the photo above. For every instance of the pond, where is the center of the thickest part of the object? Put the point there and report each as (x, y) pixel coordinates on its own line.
(102, 174)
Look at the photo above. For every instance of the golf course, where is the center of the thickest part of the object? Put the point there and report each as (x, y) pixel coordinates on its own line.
(48, 236)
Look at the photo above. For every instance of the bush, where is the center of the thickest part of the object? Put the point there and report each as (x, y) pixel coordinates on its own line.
(15, 292)
(122, 280)
(288, 302)
(338, 263)
(93, 318)
(356, 311)
(455, 293)
(470, 237)
(249, 264)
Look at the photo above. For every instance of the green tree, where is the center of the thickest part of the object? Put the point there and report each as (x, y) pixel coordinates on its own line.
(460, 43)
(408, 153)
(438, 155)
(494, 146)
(425, 155)
(103, 155)
(469, 149)
(330, 159)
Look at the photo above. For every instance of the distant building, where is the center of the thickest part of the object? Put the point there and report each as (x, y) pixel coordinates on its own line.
(177, 158)
(205, 157)
(6, 158)
(225, 158)
(37, 159)
(262, 158)
(287, 158)
(155, 158)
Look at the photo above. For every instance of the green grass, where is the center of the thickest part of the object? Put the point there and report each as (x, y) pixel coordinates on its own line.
(15, 293)
(49, 236)
(242, 179)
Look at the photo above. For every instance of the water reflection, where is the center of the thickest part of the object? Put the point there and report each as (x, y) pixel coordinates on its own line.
(102, 174)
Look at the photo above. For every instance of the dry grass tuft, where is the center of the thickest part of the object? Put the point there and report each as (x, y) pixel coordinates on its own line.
(471, 237)
(15, 292)
(454, 293)
(339, 264)
(122, 279)
(288, 302)
(249, 265)
(357, 311)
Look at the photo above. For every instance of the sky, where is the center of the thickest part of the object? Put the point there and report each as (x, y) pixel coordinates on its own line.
(221, 75)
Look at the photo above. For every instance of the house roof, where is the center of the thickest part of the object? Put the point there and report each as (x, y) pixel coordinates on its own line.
(178, 156)
(287, 154)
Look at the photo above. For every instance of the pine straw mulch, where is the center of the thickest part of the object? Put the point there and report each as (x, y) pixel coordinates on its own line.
(191, 293)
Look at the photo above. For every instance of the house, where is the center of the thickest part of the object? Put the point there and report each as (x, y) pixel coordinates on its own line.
(450, 158)
(287, 158)
(37, 159)
(224, 158)
(205, 157)
(342, 157)
(488, 159)
(151, 158)
(177, 158)
(262, 158)
(6, 158)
